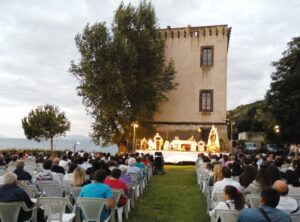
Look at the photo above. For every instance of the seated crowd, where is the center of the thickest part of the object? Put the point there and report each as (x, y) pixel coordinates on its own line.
(261, 187)
(96, 173)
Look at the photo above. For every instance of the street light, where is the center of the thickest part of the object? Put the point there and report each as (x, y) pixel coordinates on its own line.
(277, 129)
(199, 131)
(134, 125)
(76, 143)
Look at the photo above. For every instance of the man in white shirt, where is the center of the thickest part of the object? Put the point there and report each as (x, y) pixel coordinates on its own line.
(220, 185)
(85, 165)
(64, 162)
(286, 203)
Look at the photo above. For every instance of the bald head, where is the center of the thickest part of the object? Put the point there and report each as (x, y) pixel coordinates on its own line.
(281, 187)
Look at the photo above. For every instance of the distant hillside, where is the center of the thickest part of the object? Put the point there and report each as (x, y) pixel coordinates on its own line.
(76, 137)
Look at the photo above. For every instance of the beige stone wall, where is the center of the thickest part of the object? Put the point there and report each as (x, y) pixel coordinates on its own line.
(183, 45)
(183, 104)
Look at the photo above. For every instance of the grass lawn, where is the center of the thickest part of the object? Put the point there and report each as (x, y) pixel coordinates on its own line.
(172, 197)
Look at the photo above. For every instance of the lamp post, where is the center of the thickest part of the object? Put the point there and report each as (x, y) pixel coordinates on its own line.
(75, 144)
(134, 125)
(199, 131)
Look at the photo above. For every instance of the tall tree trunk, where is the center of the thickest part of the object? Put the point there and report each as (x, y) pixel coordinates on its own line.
(51, 145)
(122, 145)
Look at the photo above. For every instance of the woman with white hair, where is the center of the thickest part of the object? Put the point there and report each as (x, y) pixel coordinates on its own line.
(124, 175)
(132, 169)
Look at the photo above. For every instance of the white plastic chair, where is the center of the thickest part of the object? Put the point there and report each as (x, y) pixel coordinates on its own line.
(136, 183)
(55, 209)
(9, 211)
(51, 190)
(142, 185)
(295, 217)
(117, 195)
(31, 190)
(252, 200)
(23, 182)
(208, 197)
(58, 177)
(297, 197)
(204, 183)
(3, 170)
(131, 198)
(39, 167)
(41, 183)
(75, 191)
(67, 182)
(92, 208)
(225, 215)
(30, 166)
(216, 199)
(149, 170)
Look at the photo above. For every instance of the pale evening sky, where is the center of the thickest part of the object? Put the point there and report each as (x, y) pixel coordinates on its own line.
(37, 45)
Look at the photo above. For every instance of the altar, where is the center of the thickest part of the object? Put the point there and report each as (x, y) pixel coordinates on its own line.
(176, 157)
(181, 150)
(190, 144)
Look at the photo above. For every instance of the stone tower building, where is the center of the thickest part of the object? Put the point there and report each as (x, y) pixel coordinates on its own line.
(200, 60)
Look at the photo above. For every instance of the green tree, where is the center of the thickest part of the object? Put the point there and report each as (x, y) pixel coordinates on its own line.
(123, 73)
(253, 117)
(246, 118)
(283, 97)
(45, 122)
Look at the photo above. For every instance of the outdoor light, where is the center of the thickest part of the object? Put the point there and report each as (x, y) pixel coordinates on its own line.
(199, 131)
(277, 129)
(134, 125)
(76, 143)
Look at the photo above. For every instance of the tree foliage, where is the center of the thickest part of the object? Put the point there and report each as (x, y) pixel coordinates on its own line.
(123, 73)
(246, 117)
(254, 117)
(283, 97)
(45, 122)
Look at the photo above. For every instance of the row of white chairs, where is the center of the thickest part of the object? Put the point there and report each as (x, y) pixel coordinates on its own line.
(55, 206)
(48, 193)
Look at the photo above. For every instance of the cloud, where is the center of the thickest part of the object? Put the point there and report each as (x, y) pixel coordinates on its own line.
(37, 45)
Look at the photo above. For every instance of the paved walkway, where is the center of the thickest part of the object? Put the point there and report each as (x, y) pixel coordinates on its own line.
(173, 197)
